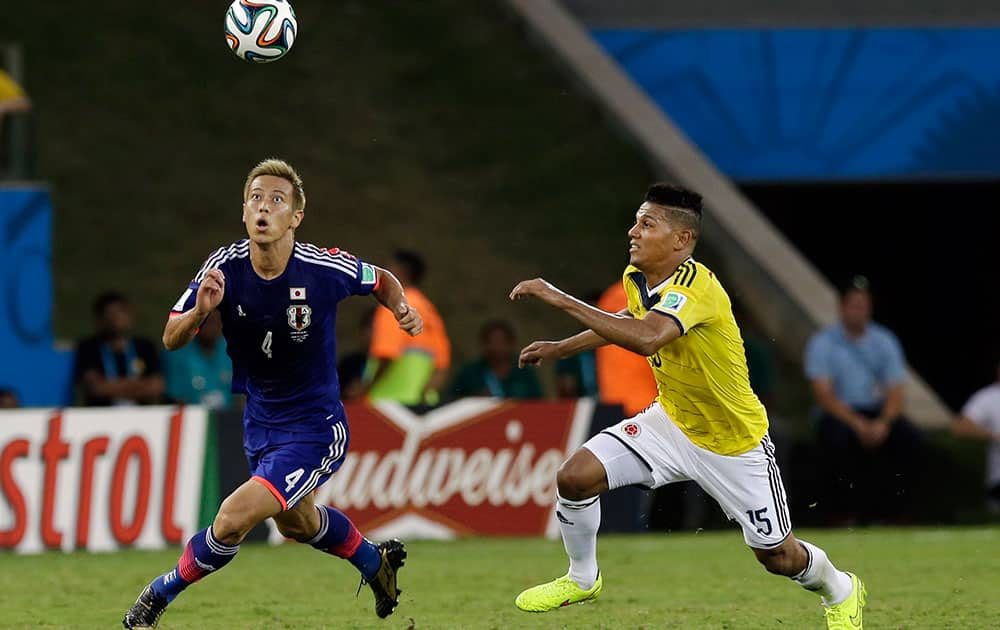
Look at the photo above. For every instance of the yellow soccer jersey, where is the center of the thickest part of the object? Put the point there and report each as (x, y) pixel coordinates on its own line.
(702, 375)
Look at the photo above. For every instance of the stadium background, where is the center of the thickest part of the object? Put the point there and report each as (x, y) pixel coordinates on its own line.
(449, 127)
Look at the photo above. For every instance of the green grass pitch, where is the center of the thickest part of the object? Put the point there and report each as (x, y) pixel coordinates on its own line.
(917, 578)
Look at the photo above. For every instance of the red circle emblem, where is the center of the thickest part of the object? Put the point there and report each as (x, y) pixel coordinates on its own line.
(631, 429)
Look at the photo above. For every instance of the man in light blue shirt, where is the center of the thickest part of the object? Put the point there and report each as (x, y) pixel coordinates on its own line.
(201, 372)
(856, 369)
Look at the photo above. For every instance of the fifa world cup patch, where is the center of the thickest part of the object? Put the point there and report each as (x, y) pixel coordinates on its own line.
(368, 275)
(631, 429)
(673, 301)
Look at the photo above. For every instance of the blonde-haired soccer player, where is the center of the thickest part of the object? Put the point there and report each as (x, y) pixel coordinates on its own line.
(706, 424)
(278, 297)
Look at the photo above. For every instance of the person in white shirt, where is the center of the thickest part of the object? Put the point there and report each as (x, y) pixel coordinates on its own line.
(980, 419)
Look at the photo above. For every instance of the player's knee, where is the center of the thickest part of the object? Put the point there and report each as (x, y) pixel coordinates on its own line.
(228, 528)
(574, 482)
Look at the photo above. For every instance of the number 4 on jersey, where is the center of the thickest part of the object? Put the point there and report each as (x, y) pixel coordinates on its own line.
(266, 346)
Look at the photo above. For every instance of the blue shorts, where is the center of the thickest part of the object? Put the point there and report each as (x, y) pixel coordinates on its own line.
(292, 465)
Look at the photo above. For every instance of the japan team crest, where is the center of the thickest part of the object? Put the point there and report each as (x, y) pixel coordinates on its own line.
(299, 316)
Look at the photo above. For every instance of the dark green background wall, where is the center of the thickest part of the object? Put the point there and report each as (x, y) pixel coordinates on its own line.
(434, 125)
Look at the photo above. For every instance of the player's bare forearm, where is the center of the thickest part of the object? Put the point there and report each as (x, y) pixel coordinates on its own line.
(584, 340)
(181, 329)
(642, 336)
(580, 342)
(389, 293)
(637, 335)
(538, 351)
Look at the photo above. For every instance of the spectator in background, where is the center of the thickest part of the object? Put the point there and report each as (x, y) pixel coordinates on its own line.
(8, 398)
(623, 377)
(12, 97)
(576, 376)
(496, 372)
(113, 367)
(13, 100)
(351, 367)
(760, 360)
(410, 370)
(201, 372)
(856, 369)
(980, 419)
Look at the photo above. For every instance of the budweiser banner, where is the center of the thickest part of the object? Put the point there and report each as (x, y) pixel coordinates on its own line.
(479, 466)
(100, 478)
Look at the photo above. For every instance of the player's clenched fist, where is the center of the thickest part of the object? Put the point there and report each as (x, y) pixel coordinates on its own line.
(409, 319)
(536, 351)
(212, 288)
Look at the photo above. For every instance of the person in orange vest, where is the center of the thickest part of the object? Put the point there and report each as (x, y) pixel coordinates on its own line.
(623, 377)
(410, 370)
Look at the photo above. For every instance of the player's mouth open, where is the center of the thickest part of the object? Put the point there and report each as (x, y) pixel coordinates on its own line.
(261, 224)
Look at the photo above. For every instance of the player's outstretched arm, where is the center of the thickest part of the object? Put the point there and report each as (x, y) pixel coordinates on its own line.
(538, 351)
(181, 329)
(642, 336)
(389, 293)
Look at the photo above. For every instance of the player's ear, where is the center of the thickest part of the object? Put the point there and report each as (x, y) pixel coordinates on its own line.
(297, 218)
(683, 238)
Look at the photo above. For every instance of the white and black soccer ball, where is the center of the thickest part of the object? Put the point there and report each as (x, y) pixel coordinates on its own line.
(260, 30)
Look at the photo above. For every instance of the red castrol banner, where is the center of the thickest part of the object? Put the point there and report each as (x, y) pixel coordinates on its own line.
(100, 479)
(479, 466)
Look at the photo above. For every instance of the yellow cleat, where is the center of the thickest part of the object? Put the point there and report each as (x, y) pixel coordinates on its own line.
(847, 614)
(556, 594)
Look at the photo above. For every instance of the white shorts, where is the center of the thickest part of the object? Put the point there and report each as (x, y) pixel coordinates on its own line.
(650, 450)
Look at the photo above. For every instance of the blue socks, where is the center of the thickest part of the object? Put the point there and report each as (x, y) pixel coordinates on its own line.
(205, 554)
(202, 555)
(338, 536)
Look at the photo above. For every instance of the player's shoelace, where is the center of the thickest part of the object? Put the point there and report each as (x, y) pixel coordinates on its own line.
(146, 610)
(384, 583)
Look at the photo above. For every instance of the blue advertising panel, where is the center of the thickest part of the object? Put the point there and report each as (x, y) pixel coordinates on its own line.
(826, 104)
(39, 374)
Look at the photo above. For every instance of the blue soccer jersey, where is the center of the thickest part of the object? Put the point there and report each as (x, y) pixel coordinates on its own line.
(280, 333)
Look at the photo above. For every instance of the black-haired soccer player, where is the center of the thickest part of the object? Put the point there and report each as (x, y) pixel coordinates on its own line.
(706, 424)
(278, 300)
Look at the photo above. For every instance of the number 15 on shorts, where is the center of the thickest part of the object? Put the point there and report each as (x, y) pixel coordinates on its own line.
(759, 520)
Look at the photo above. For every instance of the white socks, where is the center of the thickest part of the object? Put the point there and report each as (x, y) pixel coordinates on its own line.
(821, 576)
(579, 522)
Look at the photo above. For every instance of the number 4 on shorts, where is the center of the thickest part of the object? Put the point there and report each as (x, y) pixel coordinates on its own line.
(292, 478)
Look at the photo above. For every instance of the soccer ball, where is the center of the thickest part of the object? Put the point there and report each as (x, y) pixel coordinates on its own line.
(260, 30)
